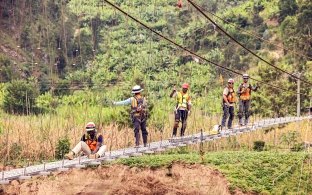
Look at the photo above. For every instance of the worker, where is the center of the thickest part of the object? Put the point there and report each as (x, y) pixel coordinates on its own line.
(229, 99)
(244, 92)
(138, 114)
(182, 109)
(91, 144)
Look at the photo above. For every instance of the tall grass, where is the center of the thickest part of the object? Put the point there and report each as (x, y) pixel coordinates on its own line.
(35, 136)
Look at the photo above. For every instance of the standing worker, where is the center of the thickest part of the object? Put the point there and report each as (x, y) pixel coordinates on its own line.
(182, 109)
(229, 100)
(138, 114)
(91, 144)
(244, 92)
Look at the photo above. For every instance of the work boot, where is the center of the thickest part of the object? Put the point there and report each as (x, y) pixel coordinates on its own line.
(93, 156)
(246, 122)
(241, 122)
(145, 144)
(174, 132)
(70, 155)
(221, 127)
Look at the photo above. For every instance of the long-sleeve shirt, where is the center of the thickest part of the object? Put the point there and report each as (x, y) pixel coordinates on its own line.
(127, 102)
(246, 85)
(124, 102)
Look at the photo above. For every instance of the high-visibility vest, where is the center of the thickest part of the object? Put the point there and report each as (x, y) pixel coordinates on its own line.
(92, 142)
(137, 106)
(247, 92)
(231, 97)
(182, 100)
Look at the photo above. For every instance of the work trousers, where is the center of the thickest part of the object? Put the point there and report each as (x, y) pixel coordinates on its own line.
(180, 115)
(243, 111)
(140, 123)
(228, 112)
(82, 146)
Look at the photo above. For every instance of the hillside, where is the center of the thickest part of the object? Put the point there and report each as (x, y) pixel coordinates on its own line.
(63, 63)
(65, 46)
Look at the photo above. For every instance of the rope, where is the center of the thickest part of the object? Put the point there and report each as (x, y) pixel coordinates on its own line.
(191, 52)
(240, 44)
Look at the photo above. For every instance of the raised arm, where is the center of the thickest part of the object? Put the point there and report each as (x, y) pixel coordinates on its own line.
(174, 92)
(254, 88)
(123, 103)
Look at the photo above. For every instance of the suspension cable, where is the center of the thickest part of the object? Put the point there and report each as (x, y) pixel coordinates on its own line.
(191, 52)
(240, 44)
(252, 34)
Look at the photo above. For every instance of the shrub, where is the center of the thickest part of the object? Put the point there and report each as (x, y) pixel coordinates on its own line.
(297, 147)
(290, 138)
(6, 69)
(15, 151)
(63, 147)
(46, 102)
(258, 145)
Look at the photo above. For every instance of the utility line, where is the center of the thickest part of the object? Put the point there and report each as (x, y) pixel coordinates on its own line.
(252, 34)
(240, 44)
(191, 52)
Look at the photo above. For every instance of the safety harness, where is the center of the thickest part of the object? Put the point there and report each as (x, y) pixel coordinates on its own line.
(92, 143)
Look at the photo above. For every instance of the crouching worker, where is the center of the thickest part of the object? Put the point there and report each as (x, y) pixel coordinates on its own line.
(91, 144)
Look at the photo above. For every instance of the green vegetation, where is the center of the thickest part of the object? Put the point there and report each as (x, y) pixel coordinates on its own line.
(20, 97)
(259, 145)
(62, 63)
(91, 46)
(259, 172)
(62, 148)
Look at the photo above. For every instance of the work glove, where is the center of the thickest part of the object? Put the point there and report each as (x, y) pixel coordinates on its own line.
(227, 104)
(189, 112)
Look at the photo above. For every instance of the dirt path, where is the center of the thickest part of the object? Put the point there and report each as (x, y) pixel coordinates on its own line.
(118, 179)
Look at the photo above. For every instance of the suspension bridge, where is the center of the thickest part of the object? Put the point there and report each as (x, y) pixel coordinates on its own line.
(201, 136)
(153, 147)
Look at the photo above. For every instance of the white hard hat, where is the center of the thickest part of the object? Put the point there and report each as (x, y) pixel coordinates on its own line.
(245, 76)
(136, 89)
(231, 80)
(90, 126)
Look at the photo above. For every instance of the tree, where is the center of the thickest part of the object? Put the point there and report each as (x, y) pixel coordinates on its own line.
(20, 97)
(304, 27)
(287, 8)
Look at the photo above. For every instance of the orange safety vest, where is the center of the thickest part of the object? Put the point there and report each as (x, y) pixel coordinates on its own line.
(247, 92)
(92, 142)
(231, 97)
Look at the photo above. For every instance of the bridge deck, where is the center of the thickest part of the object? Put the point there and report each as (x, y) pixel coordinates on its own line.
(23, 173)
